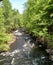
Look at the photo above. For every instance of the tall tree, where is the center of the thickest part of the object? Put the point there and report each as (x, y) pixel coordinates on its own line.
(7, 13)
(38, 17)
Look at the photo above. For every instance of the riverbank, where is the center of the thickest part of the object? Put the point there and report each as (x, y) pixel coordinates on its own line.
(23, 51)
(12, 41)
(14, 37)
(41, 43)
(9, 39)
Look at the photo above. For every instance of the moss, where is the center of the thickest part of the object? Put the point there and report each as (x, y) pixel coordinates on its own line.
(4, 47)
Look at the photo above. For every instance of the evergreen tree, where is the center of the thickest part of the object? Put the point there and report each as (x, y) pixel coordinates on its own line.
(38, 17)
(8, 21)
(7, 14)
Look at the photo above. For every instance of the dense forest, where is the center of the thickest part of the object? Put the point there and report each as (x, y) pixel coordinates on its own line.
(37, 20)
(9, 20)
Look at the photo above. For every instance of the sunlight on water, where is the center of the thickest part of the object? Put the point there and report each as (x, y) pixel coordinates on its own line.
(27, 55)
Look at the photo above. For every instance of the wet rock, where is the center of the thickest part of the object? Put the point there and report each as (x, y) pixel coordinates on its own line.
(24, 55)
(50, 52)
(51, 57)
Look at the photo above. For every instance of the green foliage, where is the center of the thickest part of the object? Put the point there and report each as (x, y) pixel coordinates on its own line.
(8, 21)
(4, 47)
(21, 20)
(38, 17)
(15, 19)
(11, 16)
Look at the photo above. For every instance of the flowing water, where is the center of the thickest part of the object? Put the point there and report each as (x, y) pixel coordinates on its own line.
(23, 52)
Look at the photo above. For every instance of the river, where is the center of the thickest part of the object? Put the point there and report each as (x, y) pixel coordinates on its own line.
(23, 52)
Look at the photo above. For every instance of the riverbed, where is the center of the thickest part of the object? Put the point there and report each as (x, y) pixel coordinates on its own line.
(23, 52)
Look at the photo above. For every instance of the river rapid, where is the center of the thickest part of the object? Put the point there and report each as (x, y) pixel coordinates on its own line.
(23, 52)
